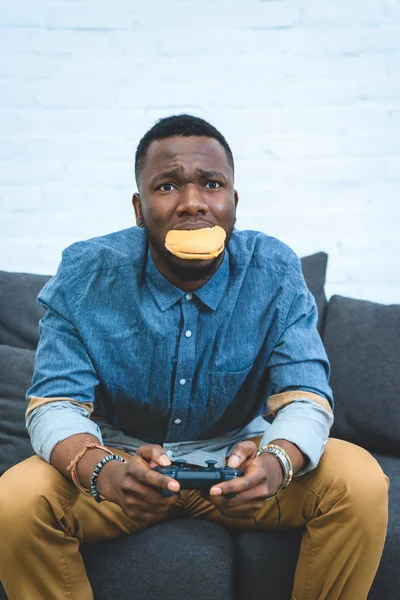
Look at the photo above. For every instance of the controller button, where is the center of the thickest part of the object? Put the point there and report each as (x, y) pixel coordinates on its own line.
(211, 463)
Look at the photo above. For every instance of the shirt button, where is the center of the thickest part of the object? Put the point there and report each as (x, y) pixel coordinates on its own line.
(188, 333)
(178, 421)
(182, 381)
(189, 296)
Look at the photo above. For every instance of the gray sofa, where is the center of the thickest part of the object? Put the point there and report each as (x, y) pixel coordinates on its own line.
(201, 560)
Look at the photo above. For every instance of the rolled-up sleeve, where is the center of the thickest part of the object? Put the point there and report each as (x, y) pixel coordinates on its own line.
(299, 395)
(61, 398)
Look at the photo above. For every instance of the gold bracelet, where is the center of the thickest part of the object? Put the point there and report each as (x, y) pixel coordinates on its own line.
(73, 465)
(284, 461)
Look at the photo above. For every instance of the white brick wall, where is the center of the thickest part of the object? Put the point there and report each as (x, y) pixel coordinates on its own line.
(307, 92)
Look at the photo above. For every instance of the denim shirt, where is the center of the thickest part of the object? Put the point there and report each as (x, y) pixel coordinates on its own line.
(186, 370)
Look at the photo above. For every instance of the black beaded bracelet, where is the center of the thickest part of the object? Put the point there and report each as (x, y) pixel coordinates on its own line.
(96, 472)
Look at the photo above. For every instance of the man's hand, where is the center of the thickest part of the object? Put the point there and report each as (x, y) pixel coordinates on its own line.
(262, 478)
(132, 485)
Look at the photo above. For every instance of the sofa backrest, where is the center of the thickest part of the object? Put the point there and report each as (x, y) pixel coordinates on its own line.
(362, 340)
(19, 311)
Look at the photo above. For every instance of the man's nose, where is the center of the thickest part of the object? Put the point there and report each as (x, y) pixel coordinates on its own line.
(191, 200)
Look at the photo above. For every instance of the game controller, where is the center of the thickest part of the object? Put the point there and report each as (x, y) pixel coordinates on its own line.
(197, 478)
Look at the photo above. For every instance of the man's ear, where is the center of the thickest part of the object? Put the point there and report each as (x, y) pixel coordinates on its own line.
(137, 207)
(235, 198)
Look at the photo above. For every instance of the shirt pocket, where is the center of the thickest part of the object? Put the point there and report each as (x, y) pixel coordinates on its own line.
(226, 408)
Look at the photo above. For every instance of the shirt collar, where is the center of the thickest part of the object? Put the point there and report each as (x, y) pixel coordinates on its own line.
(166, 293)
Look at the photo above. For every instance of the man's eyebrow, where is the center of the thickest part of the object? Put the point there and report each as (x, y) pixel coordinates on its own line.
(211, 174)
(177, 174)
(174, 173)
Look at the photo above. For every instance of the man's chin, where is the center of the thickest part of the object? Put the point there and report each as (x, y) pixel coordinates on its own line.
(190, 269)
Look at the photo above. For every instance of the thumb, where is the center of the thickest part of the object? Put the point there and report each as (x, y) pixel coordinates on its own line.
(242, 452)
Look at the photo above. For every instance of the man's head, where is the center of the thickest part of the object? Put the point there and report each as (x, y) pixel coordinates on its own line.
(178, 125)
(184, 171)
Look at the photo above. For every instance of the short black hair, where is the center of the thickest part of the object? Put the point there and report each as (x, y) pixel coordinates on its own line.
(178, 125)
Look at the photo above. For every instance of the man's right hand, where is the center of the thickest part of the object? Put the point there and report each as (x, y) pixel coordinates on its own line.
(133, 486)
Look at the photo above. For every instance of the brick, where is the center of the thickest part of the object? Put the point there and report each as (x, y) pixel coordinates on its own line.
(27, 67)
(102, 16)
(64, 95)
(19, 13)
(339, 13)
(11, 122)
(67, 147)
(15, 40)
(85, 121)
(34, 172)
(16, 95)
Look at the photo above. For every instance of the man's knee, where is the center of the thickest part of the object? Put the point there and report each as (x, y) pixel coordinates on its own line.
(354, 478)
(29, 491)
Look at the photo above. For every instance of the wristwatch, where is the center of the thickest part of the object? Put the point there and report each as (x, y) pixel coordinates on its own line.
(284, 461)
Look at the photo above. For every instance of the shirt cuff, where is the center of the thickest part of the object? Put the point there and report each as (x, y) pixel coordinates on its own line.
(55, 422)
(305, 424)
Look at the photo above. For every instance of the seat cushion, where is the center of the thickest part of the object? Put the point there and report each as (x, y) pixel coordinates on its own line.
(314, 271)
(16, 368)
(387, 580)
(363, 345)
(19, 311)
(266, 563)
(176, 559)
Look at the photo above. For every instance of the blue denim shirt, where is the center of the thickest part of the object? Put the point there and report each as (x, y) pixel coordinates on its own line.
(161, 365)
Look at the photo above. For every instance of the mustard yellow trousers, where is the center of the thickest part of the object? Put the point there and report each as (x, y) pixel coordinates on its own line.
(342, 504)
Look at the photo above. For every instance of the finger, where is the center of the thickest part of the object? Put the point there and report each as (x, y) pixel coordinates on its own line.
(142, 472)
(240, 484)
(151, 496)
(242, 452)
(138, 504)
(257, 495)
(145, 517)
(154, 453)
(246, 512)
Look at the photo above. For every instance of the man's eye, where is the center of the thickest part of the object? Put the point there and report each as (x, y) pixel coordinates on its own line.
(213, 185)
(166, 187)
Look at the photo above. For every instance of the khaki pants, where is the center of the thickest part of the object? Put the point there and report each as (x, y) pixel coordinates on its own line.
(343, 505)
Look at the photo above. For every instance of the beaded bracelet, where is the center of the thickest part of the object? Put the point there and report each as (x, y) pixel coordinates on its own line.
(72, 467)
(96, 472)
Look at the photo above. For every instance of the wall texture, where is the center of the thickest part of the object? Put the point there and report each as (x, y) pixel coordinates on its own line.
(307, 92)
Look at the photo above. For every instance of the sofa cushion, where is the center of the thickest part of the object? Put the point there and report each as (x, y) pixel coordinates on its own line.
(184, 558)
(266, 562)
(19, 311)
(363, 344)
(314, 271)
(387, 581)
(16, 368)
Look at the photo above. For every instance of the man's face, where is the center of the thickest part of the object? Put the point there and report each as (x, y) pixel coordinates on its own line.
(185, 183)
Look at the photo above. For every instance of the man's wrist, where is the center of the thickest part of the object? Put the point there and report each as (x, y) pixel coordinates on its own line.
(297, 458)
(273, 467)
(110, 478)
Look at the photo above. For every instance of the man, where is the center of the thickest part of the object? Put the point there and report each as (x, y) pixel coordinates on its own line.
(166, 341)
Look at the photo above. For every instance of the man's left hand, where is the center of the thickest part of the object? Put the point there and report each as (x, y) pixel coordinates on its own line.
(262, 478)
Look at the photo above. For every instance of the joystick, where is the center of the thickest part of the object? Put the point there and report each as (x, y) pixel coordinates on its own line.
(197, 478)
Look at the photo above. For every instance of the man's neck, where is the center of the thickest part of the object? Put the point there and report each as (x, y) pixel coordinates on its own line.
(193, 282)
